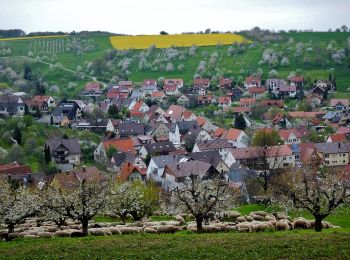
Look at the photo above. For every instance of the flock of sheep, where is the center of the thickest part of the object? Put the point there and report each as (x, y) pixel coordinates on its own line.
(254, 222)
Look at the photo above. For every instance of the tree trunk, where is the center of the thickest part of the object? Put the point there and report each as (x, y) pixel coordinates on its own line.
(11, 227)
(318, 224)
(85, 223)
(199, 222)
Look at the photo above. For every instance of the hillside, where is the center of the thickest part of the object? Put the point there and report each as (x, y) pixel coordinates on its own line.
(79, 59)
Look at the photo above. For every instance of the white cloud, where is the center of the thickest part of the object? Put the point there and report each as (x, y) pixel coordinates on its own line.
(146, 17)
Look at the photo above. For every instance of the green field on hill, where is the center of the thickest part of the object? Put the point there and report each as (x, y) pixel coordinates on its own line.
(313, 62)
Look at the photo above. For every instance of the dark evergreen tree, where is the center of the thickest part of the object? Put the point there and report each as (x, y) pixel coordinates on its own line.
(28, 75)
(37, 113)
(113, 111)
(39, 88)
(17, 135)
(47, 155)
(51, 120)
(240, 122)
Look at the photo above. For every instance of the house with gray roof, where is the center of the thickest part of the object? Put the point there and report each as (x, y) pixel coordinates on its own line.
(137, 94)
(157, 165)
(120, 158)
(212, 157)
(11, 105)
(160, 148)
(175, 174)
(65, 153)
(130, 129)
(334, 154)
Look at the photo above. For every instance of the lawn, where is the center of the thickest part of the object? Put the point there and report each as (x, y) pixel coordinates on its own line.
(184, 245)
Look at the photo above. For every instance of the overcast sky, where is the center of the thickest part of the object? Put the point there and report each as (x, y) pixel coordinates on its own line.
(173, 16)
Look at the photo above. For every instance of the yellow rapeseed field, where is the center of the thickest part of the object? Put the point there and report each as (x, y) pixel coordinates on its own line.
(178, 40)
(32, 37)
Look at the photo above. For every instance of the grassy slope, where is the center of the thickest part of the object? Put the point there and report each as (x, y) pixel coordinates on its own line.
(230, 66)
(276, 245)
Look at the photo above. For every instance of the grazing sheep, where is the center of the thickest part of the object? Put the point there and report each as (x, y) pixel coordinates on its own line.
(244, 227)
(260, 227)
(301, 223)
(30, 236)
(270, 218)
(76, 234)
(129, 230)
(167, 229)
(52, 229)
(256, 217)
(22, 234)
(98, 232)
(115, 231)
(45, 235)
(282, 225)
(150, 230)
(231, 228)
(210, 229)
(61, 233)
(260, 213)
(249, 218)
(220, 226)
(12, 235)
(281, 216)
(241, 219)
(32, 232)
(180, 219)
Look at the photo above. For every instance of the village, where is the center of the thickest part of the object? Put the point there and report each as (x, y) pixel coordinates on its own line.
(158, 131)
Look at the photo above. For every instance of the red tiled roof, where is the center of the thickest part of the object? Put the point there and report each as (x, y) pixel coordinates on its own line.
(247, 101)
(232, 134)
(302, 114)
(225, 82)
(136, 114)
(170, 87)
(225, 100)
(128, 169)
(201, 82)
(241, 109)
(15, 169)
(149, 82)
(256, 90)
(249, 80)
(219, 132)
(343, 130)
(92, 86)
(277, 118)
(296, 79)
(173, 81)
(288, 89)
(175, 111)
(40, 98)
(285, 133)
(186, 114)
(268, 103)
(158, 94)
(343, 101)
(137, 106)
(205, 97)
(122, 145)
(337, 137)
(201, 120)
